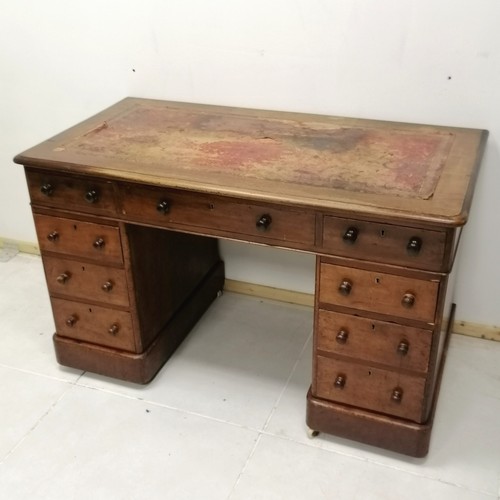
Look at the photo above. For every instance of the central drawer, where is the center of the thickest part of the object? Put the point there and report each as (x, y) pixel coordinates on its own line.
(212, 214)
(360, 385)
(378, 292)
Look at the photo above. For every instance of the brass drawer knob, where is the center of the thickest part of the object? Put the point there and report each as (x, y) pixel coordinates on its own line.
(92, 196)
(340, 382)
(99, 244)
(163, 206)
(71, 320)
(47, 189)
(345, 287)
(397, 395)
(341, 337)
(113, 329)
(403, 347)
(408, 300)
(263, 222)
(53, 236)
(351, 235)
(414, 245)
(108, 286)
(63, 278)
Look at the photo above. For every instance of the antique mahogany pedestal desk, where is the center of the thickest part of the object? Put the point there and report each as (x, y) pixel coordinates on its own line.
(128, 206)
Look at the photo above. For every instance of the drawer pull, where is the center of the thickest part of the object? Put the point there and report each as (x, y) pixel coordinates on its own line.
(351, 235)
(414, 245)
(403, 347)
(113, 329)
(108, 286)
(345, 287)
(71, 320)
(397, 395)
(99, 244)
(163, 207)
(340, 382)
(92, 196)
(63, 278)
(53, 236)
(341, 337)
(47, 189)
(408, 300)
(264, 222)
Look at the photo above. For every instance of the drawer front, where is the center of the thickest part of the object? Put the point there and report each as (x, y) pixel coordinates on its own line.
(390, 244)
(400, 347)
(85, 281)
(207, 213)
(77, 193)
(81, 239)
(378, 292)
(370, 388)
(90, 323)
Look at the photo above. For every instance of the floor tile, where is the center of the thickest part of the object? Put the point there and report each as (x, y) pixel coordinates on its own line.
(282, 469)
(26, 322)
(233, 365)
(25, 399)
(101, 446)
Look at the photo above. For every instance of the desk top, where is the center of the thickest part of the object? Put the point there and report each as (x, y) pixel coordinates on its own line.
(342, 164)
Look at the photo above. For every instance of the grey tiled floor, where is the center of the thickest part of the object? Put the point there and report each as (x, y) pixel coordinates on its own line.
(224, 419)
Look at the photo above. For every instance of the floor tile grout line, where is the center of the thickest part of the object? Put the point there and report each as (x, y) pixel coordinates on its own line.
(37, 423)
(292, 372)
(43, 375)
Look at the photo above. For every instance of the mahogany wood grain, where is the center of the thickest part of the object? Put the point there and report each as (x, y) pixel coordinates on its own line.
(396, 346)
(98, 242)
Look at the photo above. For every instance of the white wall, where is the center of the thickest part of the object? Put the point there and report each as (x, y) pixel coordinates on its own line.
(406, 60)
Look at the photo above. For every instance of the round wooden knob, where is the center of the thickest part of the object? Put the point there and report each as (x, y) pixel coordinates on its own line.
(263, 222)
(99, 243)
(340, 381)
(408, 300)
(108, 286)
(163, 206)
(47, 189)
(414, 245)
(403, 347)
(397, 395)
(113, 329)
(53, 236)
(92, 196)
(341, 336)
(345, 287)
(63, 278)
(71, 320)
(351, 235)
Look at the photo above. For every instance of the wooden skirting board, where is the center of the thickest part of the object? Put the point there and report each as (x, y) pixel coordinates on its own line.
(479, 330)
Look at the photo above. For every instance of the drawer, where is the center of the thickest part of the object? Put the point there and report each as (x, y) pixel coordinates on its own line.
(85, 281)
(386, 243)
(80, 239)
(398, 346)
(383, 391)
(77, 193)
(215, 215)
(90, 323)
(378, 292)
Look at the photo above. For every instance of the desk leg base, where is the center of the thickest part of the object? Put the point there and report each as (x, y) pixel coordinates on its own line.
(374, 429)
(141, 368)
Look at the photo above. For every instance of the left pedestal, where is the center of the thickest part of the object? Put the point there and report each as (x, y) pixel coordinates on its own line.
(124, 296)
